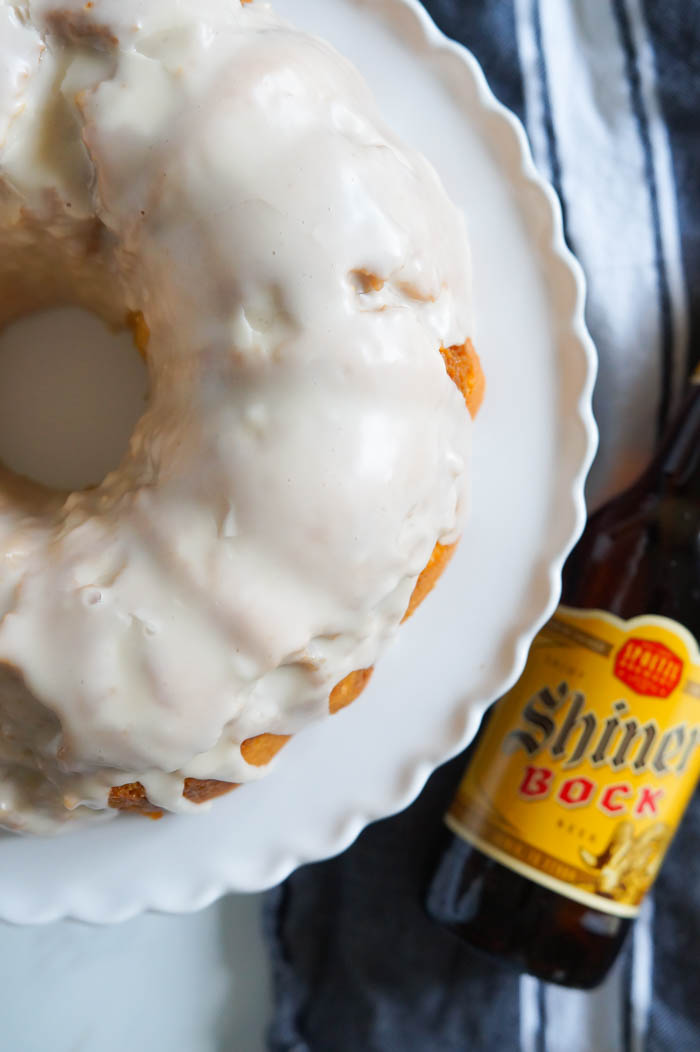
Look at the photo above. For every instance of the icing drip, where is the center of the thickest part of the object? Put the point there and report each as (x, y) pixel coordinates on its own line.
(208, 169)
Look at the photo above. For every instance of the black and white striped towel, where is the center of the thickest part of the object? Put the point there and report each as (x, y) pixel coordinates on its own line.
(609, 91)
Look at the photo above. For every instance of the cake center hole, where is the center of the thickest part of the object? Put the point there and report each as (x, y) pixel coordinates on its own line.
(71, 393)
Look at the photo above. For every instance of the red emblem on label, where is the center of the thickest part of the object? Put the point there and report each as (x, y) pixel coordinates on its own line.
(648, 668)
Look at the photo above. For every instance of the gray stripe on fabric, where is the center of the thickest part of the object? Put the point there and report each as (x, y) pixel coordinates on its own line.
(667, 196)
(529, 52)
(642, 977)
(632, 70)
(548, 117)
(674, 31)
(283, 1033)
(542, 1018)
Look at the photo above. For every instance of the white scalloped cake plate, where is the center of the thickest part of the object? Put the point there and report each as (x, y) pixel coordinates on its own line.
(534, 442)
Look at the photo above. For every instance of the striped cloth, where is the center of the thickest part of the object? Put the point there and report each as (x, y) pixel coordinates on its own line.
(609, 92)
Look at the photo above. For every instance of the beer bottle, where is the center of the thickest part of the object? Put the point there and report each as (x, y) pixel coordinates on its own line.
(580, 774)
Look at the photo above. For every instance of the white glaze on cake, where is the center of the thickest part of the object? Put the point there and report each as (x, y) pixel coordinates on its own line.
(303, 449)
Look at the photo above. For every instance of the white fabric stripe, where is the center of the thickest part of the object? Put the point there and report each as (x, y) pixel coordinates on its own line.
(578, 1021)
(666, 188)
(529, 1014)
(609, 219)
(532, 86)
(642, 975)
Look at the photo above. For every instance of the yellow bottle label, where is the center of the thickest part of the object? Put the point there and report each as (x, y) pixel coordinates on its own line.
(587, 764)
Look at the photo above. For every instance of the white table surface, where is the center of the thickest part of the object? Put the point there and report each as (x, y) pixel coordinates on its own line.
(193, 983)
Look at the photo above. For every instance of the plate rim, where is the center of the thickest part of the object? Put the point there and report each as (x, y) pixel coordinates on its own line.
(199, 892)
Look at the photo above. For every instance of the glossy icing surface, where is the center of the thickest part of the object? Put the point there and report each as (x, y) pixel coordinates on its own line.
(303, 450)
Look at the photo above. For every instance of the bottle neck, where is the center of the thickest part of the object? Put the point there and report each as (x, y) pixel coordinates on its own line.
(622, 562)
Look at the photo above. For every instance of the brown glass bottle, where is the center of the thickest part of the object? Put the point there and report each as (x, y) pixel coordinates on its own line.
(639, 554)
